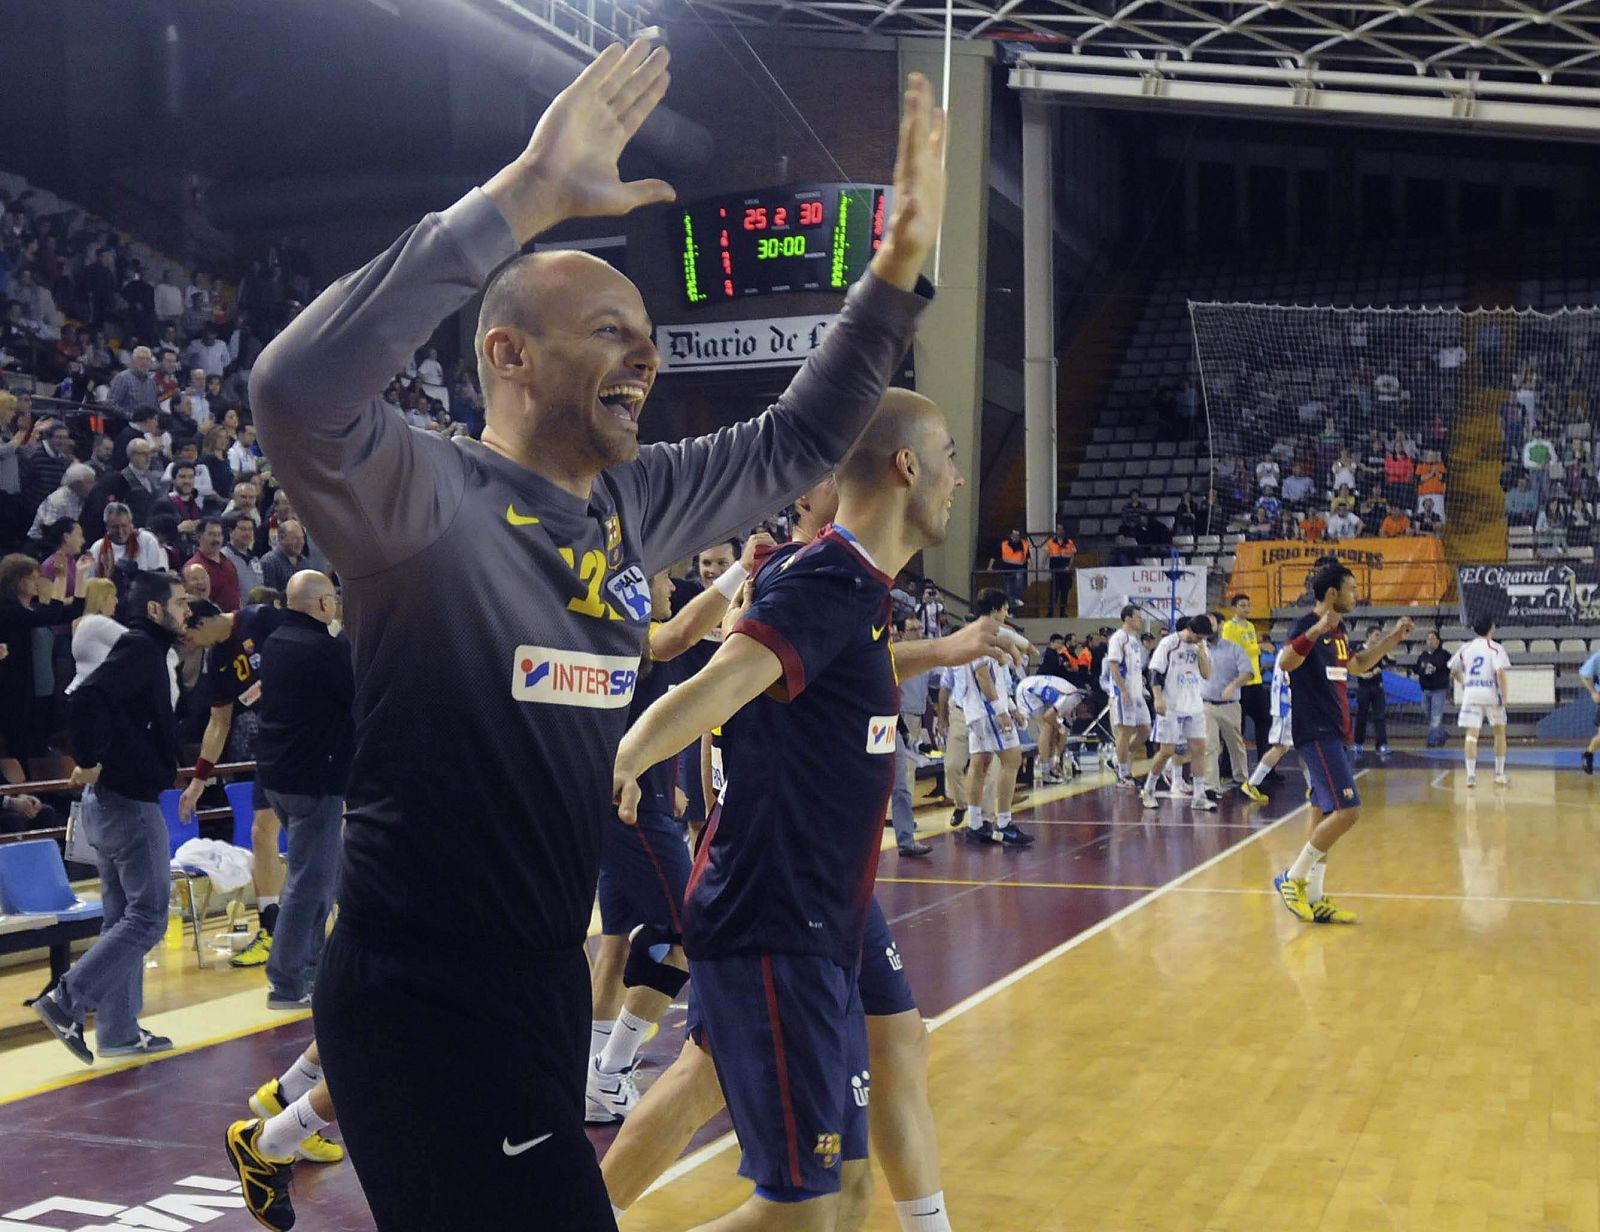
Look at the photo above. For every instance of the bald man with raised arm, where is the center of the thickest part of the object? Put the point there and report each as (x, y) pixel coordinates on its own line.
(497, 599)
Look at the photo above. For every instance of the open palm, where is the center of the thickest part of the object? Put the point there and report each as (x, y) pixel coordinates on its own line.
(577, 142)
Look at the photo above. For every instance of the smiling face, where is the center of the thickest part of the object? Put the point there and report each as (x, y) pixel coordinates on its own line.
(564, 348)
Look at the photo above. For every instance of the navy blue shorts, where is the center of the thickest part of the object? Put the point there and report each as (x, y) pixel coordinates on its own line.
(790, 1043)
(1330, 774)
(884, 988)
(644, 874)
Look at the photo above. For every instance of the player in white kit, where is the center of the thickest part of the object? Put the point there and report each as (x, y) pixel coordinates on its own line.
(1122, 677)
(1046, 701)
(1280, 704)
(1177, 667)
(1481, 667)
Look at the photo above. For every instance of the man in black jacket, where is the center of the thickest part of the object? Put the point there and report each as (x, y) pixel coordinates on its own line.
(303, 762)
(125, 739)
(1433, 674)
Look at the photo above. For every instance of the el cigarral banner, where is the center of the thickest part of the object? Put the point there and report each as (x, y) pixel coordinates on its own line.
(1389, 572)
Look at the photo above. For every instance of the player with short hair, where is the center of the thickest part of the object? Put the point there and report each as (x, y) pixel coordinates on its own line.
(233, 676)
(1281, 706)
(774, 944)
(1122, 677)
(1481, 667)
(1046, 702)
(1319, 662)
(1179, 665)
(537, 542)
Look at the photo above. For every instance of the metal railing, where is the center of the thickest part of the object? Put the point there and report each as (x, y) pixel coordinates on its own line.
(65, 787)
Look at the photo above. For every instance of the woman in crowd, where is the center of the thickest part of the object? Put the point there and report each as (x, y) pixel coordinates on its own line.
(96, 631)
(215, 460)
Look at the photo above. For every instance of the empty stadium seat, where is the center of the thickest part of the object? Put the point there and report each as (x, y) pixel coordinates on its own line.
(33, 881)
(1542, 646)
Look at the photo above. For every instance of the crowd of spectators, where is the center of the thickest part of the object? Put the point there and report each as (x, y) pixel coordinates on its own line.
(127, 444)
(1337, 426)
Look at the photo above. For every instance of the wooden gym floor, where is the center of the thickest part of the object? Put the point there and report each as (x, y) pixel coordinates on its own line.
(1129, 1032)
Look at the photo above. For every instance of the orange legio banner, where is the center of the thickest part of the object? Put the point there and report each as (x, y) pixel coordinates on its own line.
(1389, 572)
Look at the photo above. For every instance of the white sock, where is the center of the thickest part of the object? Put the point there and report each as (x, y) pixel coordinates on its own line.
(616, 1213)
(284, 1132)
(1127, 769)
(599, 1032)
(1499, 764)
(1258, 776)
(1301, 868)
(623, 1046)
(266, 900)
(923, 1214)
(1319, 872)
(1002, 821)
(298, 1079)
(1472, 762)
(974, 817)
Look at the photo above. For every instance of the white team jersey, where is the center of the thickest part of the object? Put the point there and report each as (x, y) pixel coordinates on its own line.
(1180, 661)
(974, 704)
(1036, 694)
(1478, 662)
(1124, 648)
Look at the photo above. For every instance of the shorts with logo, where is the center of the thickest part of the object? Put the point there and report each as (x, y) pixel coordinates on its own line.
(884, 987)
(1282, 733)
(1129, 709)
(1473, 716)
(1180, 728)
(644, 874)
(789, 1039)
(1330, 772)
(984, 735)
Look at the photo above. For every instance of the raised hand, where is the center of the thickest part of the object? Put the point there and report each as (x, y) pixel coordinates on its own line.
(569, 169)
(919, 185)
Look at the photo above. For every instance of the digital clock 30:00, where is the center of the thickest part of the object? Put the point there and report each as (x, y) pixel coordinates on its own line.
(771, 246)
(800, 237)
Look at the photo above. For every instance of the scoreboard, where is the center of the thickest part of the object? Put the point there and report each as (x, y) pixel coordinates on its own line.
(806, 237)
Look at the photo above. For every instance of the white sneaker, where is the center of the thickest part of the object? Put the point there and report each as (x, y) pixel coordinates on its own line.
(608, 1097)
(1501, 780)
(1148, 798)
(1472, 780)
(1202, 804)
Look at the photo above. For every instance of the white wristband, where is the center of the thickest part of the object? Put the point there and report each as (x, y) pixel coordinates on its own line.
(728, 584)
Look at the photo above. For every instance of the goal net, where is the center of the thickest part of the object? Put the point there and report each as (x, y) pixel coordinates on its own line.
(1403, 440)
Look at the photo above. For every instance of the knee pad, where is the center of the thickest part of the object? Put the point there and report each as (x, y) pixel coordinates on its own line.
(647, 966)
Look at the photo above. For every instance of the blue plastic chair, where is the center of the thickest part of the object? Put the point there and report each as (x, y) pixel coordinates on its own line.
(244, 816)
(33, 881)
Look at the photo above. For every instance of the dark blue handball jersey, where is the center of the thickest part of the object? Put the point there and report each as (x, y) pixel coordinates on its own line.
(1320, 686)
(788, 865)
(234, 665)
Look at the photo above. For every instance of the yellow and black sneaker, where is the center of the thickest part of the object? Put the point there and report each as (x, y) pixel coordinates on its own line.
(256, 953)
(1326, 911)
(264, 1181)
(268, 1102)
